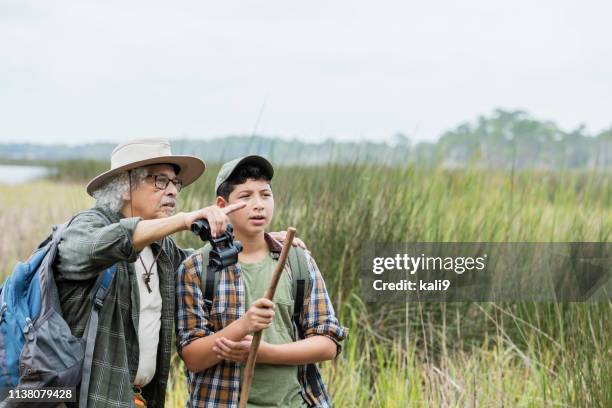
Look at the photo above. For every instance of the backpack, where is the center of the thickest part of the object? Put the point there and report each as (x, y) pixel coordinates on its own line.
(37, 348)
(299, 285)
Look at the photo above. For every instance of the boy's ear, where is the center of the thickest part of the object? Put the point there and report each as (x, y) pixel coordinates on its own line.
(221, 203)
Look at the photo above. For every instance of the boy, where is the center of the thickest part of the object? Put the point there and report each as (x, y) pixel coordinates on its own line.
(215, 343)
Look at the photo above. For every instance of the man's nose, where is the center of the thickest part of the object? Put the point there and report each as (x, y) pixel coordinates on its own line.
(171, 190)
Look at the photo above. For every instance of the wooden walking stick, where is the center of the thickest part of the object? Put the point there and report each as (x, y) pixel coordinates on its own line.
(250, 366)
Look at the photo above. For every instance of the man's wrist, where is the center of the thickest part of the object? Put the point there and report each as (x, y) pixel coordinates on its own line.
(181, 218)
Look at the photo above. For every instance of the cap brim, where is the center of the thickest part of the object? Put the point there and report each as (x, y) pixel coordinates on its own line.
(191, 168)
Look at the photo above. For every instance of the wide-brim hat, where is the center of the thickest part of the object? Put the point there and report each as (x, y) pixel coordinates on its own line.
(147, 152)
(228, 168)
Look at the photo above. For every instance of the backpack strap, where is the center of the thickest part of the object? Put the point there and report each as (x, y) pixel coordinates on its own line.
(210, 280)
(99, 295)
(300, 284)
(92, 331)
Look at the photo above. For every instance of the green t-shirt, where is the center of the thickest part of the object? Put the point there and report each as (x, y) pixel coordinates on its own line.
(273, 385)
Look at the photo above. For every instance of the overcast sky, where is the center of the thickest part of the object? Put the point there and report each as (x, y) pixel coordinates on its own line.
(81, 71)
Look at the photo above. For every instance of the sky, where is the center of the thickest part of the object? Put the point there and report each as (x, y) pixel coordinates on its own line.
(86, 71)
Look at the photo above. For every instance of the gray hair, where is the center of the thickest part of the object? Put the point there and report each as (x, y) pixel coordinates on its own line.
(110, 194)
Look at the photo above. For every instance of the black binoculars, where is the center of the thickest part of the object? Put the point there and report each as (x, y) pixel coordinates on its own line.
(225, 248)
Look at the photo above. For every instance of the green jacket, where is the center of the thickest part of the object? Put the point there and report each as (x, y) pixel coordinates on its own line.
(87, 248)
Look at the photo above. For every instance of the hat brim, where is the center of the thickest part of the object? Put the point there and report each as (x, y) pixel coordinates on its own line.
(191, 168)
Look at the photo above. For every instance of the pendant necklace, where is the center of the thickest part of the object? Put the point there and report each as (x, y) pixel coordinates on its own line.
(148, 272)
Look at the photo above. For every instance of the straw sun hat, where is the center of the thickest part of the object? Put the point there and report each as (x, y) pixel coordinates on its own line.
(146, 152)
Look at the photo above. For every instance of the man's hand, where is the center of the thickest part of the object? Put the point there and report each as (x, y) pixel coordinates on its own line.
(236, 351)
(216, 217)
(280, 236)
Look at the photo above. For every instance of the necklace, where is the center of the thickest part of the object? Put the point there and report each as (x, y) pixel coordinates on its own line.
(148, 272)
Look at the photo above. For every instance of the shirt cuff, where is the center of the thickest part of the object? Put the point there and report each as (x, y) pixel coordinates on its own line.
(337, 335)
(185, 340)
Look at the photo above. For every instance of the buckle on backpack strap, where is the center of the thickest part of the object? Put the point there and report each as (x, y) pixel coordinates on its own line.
(98, 299)
(2, 312)
(28, 329)
(97, 302)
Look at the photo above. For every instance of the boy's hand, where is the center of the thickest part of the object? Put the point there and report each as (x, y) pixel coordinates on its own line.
(259, 316)
(216, 217)
(236, 351)
(280, 236)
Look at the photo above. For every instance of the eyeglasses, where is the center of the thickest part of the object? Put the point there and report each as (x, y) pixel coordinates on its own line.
(162, 181)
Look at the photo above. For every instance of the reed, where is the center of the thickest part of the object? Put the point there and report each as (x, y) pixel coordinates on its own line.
(426, 354)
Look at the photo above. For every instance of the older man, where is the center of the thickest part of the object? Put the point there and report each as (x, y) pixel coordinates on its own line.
(130, 228)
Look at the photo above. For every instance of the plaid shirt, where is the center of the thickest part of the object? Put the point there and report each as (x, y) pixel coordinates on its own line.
(219, 385)
(88, 247)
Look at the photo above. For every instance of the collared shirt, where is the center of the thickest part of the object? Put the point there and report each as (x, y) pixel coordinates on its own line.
(219, 385)
(87, 248)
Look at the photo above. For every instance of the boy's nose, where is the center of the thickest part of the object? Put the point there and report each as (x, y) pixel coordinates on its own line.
(258, 203)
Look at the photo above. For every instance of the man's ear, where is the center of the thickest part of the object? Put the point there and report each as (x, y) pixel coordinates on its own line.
(221, 203)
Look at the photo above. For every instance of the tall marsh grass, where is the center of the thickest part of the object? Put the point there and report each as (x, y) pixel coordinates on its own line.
(419, 354)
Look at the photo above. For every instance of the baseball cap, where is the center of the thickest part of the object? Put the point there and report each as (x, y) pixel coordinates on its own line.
(228, 168)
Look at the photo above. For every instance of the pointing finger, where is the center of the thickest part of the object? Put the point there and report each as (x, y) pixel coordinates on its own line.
(233, 207)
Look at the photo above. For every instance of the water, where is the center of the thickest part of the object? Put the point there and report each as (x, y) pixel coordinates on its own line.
(10, 174)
